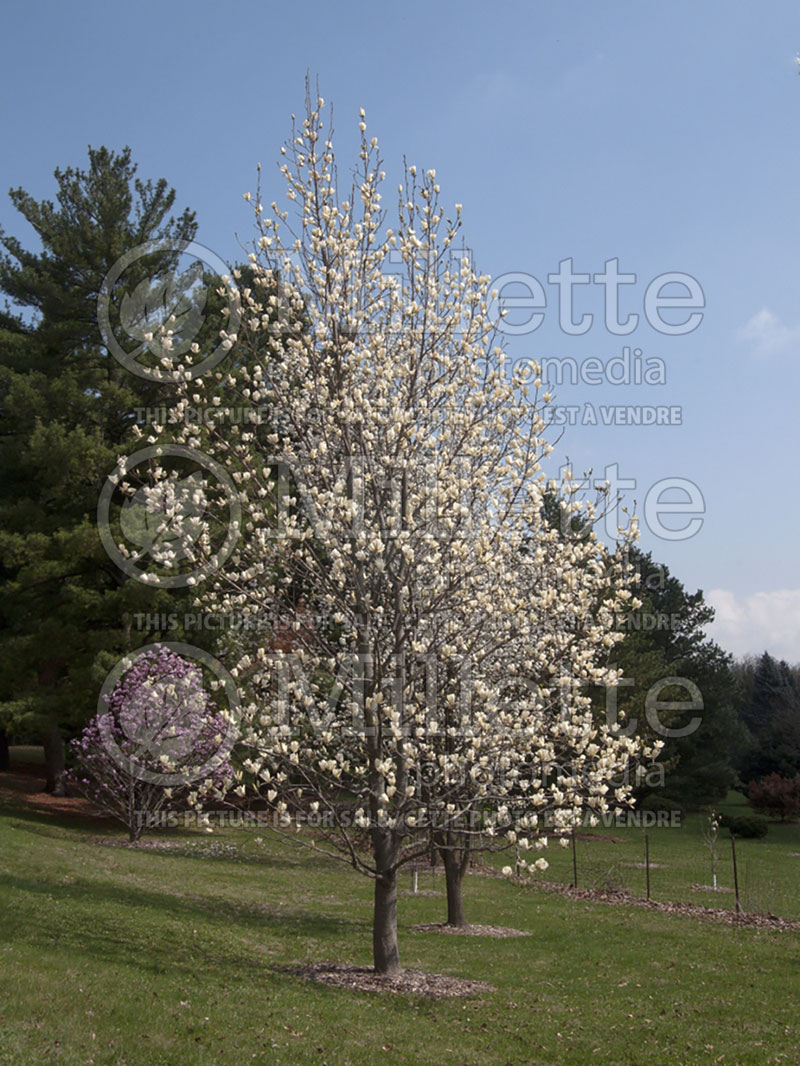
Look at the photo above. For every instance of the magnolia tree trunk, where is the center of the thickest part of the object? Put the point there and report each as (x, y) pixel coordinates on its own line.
(133, 819)
(5, 758)
(456, 861)
(54, 761)
(454, 875)
(385, 954)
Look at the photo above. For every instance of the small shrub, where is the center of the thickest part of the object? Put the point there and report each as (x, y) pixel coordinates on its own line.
(749, 826)
(657, 801)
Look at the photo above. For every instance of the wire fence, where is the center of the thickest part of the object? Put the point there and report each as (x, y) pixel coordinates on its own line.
(746, 875)
(755, 877)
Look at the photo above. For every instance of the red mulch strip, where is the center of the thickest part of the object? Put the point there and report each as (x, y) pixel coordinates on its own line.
(408, 982)
(693, 910)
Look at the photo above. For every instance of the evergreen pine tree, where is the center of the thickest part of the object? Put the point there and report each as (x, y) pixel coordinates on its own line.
(68, 413)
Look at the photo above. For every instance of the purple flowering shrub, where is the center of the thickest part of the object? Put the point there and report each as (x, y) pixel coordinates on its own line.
(160, 746)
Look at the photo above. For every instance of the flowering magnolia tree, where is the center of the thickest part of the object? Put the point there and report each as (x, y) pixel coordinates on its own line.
(160, 745)
(438, 693)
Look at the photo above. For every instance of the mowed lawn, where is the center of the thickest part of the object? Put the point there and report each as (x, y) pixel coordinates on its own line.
(110, 955)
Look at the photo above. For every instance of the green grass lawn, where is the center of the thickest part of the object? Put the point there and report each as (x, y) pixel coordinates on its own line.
(117, 956)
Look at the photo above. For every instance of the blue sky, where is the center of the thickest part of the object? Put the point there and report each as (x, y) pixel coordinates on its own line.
(662, 136)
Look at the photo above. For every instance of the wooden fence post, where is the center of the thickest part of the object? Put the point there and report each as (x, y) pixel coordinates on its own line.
(574, 860)
(647, 862)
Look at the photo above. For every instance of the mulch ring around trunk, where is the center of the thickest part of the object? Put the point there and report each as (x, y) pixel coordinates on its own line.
(408, 982)
(497, 931)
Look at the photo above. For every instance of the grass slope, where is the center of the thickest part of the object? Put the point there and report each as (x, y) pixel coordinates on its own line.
(138, 958)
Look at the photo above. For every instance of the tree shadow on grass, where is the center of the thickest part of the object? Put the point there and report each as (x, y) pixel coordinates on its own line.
(55, 824)
(178, 843)
(79, 918)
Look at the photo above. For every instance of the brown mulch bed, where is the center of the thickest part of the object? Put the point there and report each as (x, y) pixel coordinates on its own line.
(409, 982)
(500, 932)
(22, 788)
